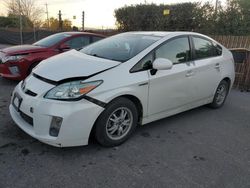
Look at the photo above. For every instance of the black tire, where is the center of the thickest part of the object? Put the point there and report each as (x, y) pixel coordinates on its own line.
(105, 123)
(216, 102)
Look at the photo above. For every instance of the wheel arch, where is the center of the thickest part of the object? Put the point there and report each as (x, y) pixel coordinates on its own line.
(228, 80)
(132, 98)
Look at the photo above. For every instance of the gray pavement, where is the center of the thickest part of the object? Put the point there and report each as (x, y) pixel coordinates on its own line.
(198, 148)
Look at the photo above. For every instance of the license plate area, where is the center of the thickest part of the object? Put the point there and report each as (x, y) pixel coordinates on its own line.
(17, 101)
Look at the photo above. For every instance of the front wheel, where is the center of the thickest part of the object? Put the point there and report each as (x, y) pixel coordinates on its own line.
(116, 123)
(220, 95)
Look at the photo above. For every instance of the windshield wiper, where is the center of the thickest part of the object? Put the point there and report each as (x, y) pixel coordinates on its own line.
(96, 55)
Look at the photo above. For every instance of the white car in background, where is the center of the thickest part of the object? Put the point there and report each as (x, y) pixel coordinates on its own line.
(110, 86)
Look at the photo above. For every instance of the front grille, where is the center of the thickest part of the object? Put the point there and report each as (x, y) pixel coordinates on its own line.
(27, 118)
(27, 91)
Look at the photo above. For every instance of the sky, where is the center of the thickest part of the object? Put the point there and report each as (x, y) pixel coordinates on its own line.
(98, 13)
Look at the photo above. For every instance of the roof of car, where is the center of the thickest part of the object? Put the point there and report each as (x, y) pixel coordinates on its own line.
(161, 33)
(81, 33)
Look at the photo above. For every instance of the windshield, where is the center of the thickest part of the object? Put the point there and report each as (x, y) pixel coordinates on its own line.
(51, 40)
(120, 47)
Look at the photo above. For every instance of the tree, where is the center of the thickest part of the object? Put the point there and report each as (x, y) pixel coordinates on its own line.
(233, 19)
(54, 24)
(28, 8)
(184, 16)
(12, 21)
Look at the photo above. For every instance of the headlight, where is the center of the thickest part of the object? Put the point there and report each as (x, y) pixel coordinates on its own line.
(12, 58)
(72, 90)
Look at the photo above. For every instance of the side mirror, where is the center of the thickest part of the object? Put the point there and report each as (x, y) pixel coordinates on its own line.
(162, 64)
(64, 46)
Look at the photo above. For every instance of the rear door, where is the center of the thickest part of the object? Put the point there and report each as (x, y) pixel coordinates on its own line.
(207, 63)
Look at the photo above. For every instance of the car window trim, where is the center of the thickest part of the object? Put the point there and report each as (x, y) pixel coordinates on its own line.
(202, 37)
(157, 47)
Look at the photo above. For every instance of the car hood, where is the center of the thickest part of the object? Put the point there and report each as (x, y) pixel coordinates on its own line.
(72, 64)
(22, 49)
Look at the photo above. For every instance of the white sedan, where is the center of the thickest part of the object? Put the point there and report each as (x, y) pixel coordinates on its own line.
(113, 85)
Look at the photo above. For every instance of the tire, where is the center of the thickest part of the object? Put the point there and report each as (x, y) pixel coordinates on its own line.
(220, 95)
(116, 124)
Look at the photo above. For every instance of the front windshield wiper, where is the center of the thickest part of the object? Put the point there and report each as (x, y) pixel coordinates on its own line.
(106, 57)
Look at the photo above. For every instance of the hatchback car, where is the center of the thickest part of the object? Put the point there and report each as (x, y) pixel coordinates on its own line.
(17, 62)
(109, 87)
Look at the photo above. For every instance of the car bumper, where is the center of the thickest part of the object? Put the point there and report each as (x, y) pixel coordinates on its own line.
(5, 71)
(78, 119)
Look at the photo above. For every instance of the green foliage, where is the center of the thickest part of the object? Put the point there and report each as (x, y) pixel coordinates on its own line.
(12, 21)
(234, 19)
(54, 24)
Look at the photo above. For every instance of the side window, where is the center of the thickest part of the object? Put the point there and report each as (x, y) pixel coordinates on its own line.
(176, 50)
(205, 48)
(78, 42)
(95, 38)
(144, 64)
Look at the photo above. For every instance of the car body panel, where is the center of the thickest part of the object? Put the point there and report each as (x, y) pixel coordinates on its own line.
(75, 129)
(74, 60)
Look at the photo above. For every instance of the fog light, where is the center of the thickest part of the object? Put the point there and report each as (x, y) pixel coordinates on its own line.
(14, 70)
(55, 126)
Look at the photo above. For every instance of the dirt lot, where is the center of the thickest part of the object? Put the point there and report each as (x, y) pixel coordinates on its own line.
(198, 148)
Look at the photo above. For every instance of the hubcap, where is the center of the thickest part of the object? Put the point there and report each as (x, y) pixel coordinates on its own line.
(221, 94)
(119, 123)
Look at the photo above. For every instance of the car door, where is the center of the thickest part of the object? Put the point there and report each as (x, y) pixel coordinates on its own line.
(207, 66)
(171, 89)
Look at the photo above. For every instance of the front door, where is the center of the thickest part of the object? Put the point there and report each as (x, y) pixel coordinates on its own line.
(170, 89)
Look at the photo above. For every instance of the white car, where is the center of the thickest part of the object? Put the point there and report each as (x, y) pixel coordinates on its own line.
(109, 87)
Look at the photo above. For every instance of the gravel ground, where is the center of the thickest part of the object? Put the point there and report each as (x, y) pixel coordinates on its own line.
(197, 148)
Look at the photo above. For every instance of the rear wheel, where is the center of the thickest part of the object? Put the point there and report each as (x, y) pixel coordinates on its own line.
(116, 123)
(220, 94)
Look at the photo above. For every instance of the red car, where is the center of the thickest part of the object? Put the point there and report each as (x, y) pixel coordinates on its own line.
(17, 62)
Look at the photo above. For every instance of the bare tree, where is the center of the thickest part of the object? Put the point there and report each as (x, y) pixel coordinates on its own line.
(28, 8)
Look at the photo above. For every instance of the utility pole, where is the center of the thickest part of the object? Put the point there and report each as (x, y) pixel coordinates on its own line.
(47, 12)
(83, 20)
(21, 22)
(216, 8)
(60, 20)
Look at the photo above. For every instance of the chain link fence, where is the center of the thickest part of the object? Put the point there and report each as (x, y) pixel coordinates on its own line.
(10, 36)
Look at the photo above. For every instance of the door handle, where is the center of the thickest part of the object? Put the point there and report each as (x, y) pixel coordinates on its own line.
(190, 73)
(217, 66)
